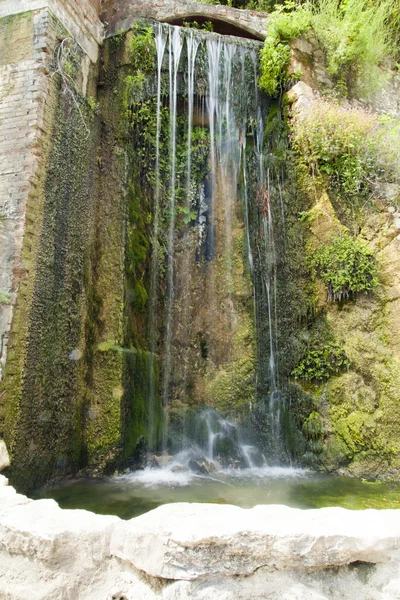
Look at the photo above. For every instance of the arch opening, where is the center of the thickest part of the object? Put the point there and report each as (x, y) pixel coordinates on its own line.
(219, 26)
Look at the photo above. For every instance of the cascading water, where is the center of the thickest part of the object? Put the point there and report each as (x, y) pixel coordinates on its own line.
(175, 49)
(161, 41)
(205, 212)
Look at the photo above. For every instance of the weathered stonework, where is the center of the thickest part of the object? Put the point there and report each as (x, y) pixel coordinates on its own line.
(121, 15)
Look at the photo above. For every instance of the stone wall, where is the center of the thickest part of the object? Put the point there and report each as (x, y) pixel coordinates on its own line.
(36, 248)
(196, 552)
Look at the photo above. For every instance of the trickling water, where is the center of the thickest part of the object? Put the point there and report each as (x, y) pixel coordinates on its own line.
(214, 55)
(192, 45)
(175, 49)
(242, 146)
(161, 41)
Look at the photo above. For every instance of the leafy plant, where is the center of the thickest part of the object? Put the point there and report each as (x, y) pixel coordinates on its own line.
(206, 26)
(188, 214)
(142, 48)
(321, 362)
(347, 267)
(356, 36)
(4, 297)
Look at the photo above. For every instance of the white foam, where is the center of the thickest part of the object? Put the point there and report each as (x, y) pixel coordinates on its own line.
(159, 477)
(275, 472)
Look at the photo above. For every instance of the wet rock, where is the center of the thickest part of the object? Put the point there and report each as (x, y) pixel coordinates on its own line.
(153, 463)
(197, 467)
(179, 469)
(158, 461)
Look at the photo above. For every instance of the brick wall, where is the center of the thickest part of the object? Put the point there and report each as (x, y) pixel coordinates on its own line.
(79, 17)
(27, 39)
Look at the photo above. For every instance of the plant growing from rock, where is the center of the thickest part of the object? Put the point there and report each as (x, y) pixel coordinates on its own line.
(286, 23)
(348, 149)
(4, 297)
(347, 267)
(321, 362)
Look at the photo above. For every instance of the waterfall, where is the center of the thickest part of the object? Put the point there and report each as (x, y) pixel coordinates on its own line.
(212, 203)
(175, 49)
(192, 44)
(161, 41)
(214, 55)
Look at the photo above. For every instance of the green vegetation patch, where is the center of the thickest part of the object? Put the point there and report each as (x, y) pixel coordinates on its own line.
(321, 362)
(357, 36)
(347, 267)
(348, 149)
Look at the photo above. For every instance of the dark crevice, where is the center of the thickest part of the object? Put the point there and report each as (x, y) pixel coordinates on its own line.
(219, 26)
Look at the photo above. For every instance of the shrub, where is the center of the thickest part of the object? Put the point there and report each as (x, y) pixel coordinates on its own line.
(321, 362)
(346, 266)
(357, 38)
(350, 148)
(142, 48)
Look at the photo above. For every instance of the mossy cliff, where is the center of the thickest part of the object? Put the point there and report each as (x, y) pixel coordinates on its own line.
(348, 353)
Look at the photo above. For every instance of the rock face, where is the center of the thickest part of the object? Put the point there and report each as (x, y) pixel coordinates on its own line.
(354, 412)
(196, 551)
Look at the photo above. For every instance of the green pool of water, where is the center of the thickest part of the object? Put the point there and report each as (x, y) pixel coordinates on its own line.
(134, 494)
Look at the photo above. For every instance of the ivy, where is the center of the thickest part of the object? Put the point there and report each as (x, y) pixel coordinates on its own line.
(347, 267)
(321, 362)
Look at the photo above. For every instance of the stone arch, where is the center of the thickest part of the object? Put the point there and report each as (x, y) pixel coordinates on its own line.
(120, 15)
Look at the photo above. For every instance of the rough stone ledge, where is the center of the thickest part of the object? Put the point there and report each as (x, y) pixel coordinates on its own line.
(208, 551)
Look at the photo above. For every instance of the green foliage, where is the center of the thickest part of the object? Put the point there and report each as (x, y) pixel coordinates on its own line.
(286, 23)
(142, 48)
(134, 85)
(347, 267)
(312, 426)
(348, 148)
(321, 362)
(4, 297)
(358, 36)
(188, 214)
(206, 26)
